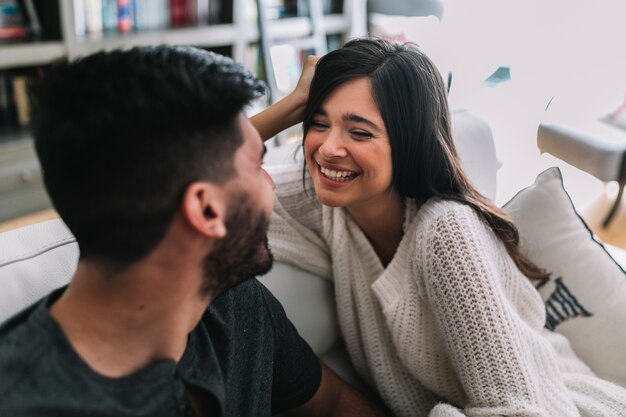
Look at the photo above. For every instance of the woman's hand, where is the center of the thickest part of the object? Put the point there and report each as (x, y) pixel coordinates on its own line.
(290, 110)
(301, 92)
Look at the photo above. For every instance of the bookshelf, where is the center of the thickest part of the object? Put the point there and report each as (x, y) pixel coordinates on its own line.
(208, 36)
(233, 32)
(237, 34)
(31, 54)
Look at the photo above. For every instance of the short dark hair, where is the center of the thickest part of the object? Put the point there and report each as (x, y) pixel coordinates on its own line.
(120, 135)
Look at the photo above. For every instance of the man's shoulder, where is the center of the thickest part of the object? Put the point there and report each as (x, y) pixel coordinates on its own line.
(15, 331)
(247, 309)
(249, 296)
(21, 349)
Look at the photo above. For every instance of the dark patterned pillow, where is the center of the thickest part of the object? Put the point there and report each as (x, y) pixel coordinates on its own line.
(586, 296)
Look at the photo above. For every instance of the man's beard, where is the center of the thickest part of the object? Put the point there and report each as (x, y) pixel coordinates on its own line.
(243, 253)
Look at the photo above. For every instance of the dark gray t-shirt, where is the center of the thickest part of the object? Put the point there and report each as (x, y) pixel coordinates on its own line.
(244, 355)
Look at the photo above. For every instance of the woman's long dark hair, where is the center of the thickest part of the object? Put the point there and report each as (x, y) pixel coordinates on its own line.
(412, 99)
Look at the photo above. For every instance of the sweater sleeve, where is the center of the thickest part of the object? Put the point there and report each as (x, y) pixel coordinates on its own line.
(478, 324)
(296, 229)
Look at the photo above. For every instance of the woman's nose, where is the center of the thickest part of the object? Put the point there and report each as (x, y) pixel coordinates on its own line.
(333, 147)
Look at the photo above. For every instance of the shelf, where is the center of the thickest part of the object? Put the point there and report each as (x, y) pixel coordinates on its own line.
(296, 27)
(207, 36)
(25, 54)
(21, 188)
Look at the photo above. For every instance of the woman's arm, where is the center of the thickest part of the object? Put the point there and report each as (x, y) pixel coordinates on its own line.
(296, 228)
(289, 110)
(503, 364)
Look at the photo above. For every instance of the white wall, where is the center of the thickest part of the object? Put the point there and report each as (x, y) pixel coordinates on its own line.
(569, 50)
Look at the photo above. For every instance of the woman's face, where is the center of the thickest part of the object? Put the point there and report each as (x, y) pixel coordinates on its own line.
(347, 149)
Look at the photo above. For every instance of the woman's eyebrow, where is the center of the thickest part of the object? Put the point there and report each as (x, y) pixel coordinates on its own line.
(351, 117)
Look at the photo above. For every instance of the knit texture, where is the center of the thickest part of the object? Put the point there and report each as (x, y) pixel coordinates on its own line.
(451, 319)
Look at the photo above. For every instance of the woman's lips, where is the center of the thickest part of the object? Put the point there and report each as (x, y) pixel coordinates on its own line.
(335, 176)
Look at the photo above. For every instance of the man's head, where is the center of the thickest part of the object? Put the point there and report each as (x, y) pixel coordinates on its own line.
(123, 136)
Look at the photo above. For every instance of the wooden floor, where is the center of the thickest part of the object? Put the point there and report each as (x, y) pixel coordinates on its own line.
(28, 219)
(595, 213)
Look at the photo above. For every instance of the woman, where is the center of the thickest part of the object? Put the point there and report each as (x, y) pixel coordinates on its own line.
(435, 300)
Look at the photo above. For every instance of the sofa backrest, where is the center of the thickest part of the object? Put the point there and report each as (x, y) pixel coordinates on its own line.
(477, 151)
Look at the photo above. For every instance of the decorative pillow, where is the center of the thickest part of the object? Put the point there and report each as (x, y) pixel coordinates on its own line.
(586, 296)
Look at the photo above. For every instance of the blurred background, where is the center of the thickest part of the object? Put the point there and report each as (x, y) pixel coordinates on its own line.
(513, 63)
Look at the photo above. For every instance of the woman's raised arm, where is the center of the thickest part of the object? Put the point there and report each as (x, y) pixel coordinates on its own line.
(289, 110)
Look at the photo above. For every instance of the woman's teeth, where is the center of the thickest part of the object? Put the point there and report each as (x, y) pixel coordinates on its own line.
(338, 175)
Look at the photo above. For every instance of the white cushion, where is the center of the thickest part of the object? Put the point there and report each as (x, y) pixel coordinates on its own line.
(309, 302)
(586, 296)
(34, 260)
(474, 143)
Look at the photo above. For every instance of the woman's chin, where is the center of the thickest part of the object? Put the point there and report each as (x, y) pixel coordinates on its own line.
(329, 199)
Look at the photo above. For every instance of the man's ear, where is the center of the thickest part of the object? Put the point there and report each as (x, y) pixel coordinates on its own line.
(204, 209)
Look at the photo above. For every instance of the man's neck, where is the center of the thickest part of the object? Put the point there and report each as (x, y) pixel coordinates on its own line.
(120, 323)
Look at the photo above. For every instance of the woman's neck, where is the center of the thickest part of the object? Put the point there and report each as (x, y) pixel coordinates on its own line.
(381, 221)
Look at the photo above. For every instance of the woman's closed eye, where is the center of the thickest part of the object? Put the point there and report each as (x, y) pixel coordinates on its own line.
(361, 134)
(318, 124)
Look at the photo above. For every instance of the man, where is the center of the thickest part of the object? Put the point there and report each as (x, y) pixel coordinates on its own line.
(150, 162)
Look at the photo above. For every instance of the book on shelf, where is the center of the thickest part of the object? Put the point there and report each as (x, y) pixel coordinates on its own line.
(275, 9)
(202, 12)
(29, 20)
(109, 15)
(301, 7)
(194, 12)
(14, 99)
(279, 9)
(20, 98)
(93, 16)
(122, 16)
(182, 12)
(151, 14)
(79, 17)
(14, 20)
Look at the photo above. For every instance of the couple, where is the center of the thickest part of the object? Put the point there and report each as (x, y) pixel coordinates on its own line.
(151, 164)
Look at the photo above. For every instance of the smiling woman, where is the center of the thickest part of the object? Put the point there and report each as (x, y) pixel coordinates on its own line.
(348, 153)
(435, 300)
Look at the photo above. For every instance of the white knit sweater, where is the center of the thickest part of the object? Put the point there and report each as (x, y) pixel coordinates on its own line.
(449, 319)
